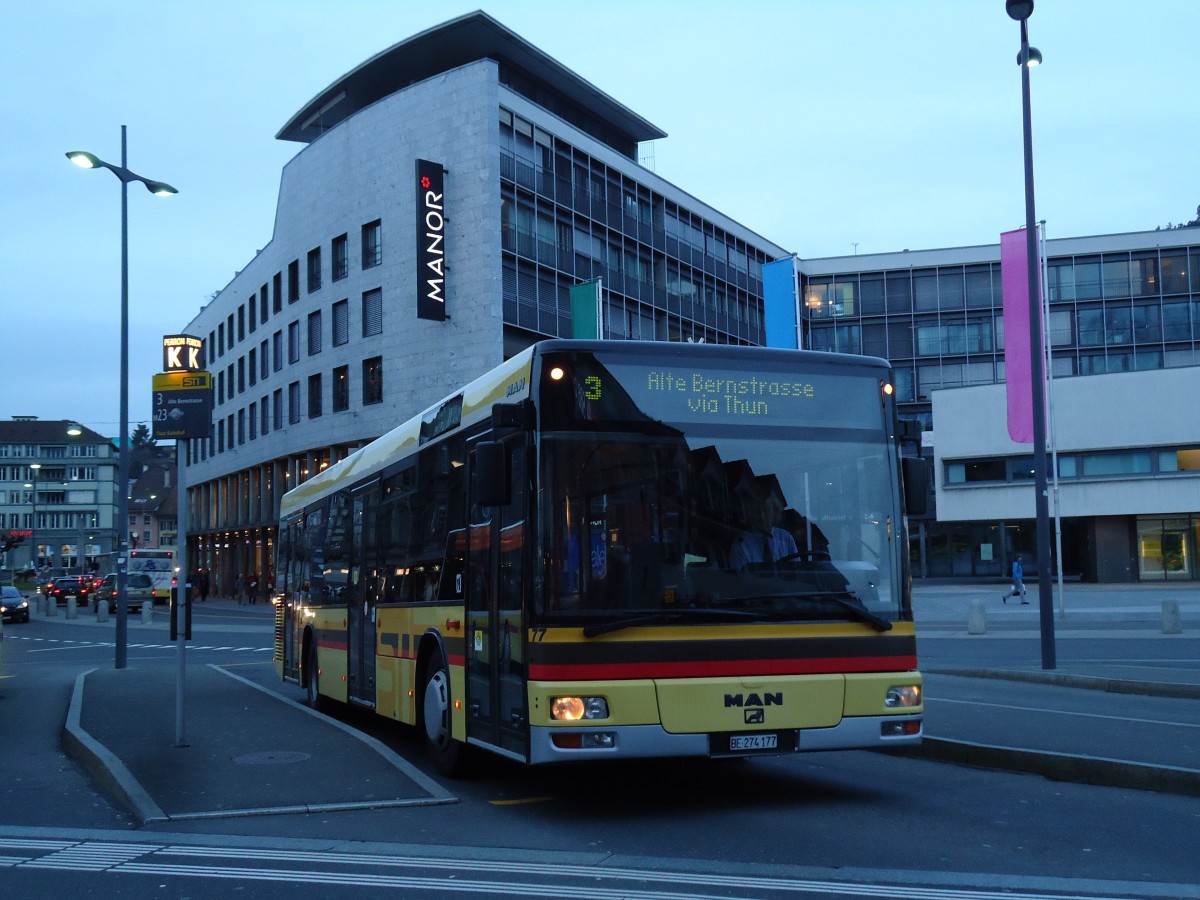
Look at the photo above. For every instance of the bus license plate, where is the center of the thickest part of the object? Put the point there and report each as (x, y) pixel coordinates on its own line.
(739, 743)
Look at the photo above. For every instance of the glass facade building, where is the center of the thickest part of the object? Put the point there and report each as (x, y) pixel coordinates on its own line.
(1116, 304)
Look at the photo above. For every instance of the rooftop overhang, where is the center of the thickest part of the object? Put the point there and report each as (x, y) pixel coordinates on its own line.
(448, 46)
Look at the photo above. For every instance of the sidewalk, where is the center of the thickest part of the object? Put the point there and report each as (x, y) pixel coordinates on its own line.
(248, 747)
(992, 710)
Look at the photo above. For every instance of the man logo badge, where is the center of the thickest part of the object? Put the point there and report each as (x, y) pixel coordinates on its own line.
(755, 716)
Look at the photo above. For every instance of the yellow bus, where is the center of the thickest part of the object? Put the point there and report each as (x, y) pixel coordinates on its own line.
(618, 549)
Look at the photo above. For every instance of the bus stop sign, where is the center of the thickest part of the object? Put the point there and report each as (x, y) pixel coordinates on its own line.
(183, 405)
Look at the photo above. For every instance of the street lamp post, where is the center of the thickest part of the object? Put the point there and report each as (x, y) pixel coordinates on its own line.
(33, 561)
(1021, 10)
(88, 161)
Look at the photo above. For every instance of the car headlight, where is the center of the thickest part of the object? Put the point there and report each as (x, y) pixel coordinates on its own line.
(573, 709)
(903, 695)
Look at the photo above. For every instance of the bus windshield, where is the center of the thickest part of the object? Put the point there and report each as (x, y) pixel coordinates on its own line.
(689, 496)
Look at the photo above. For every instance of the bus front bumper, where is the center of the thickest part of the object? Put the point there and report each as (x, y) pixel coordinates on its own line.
(597, 741)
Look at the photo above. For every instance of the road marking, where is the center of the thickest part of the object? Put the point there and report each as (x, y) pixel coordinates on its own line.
(516, 878)
(1060, 712)
(61, 644)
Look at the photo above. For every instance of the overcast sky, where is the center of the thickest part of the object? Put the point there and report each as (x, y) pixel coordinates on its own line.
(827, 126)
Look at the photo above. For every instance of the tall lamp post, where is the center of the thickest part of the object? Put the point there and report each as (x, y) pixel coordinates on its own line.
(33, 561)
(1021, 10)
(88, 161)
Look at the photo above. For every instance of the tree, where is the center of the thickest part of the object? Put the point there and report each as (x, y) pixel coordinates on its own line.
(141, 436)
(8, 541)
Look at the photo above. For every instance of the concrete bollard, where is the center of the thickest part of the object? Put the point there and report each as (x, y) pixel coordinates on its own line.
(51, 607)
(102, 611)
(72, 607)
(1172, 622)
(147, 612)
(977, 622)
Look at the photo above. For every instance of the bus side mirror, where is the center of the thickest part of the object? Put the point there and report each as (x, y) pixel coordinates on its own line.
(493, 483)
(916, 485)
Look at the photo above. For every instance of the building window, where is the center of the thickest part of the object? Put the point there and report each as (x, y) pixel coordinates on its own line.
(340, 263)
(314, 396)
(314, 269)
(372, 244)
(341, 322)
(277, 409)
(372, 378)
(277, 293)
(277, 350)
(293, 342)
(294, 402)
(293, 286)
(264, 364)
(341, 388)
(314, 333)
(372, 312)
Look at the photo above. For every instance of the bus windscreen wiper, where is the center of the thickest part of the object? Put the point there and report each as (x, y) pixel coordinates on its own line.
(841, 598)
(847, 602)
(663, 616)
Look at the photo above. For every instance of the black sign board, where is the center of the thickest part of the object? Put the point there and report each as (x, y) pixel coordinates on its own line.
(431, 241)
(183, 405)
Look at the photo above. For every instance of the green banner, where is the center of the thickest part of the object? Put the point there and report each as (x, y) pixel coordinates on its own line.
(585, 302)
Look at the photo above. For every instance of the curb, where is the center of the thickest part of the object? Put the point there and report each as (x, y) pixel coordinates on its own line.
(1175, 690)
(1061, 767)
(102, 765)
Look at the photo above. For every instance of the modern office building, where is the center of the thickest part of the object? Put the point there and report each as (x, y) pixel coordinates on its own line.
(1124, 308)
(446, 197)
(57, 493)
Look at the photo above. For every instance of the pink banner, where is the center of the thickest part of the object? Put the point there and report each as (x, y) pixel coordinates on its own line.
(1014, 279)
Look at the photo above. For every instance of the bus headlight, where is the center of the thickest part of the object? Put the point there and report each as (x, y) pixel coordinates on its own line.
(573, 709)
(903, 695)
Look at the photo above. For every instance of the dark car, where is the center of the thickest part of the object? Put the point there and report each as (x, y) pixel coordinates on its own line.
(13, 605)
(138, 589)
(61, 588)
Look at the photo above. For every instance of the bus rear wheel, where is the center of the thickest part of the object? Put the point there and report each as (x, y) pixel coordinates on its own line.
(448, 755)
(312, 680)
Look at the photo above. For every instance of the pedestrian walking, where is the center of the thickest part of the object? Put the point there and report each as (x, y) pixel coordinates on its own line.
(252, 587)
(1018, 582)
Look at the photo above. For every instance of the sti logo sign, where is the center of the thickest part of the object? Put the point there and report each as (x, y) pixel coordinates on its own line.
(431, 237)
(182, 353)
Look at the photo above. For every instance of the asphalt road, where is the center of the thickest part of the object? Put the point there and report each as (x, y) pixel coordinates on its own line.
(840, 824)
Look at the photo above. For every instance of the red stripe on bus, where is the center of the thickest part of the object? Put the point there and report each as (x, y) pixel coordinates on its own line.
(720, 668)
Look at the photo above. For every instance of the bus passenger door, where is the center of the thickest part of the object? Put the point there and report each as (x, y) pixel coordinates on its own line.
(360, 614)
(495, 650)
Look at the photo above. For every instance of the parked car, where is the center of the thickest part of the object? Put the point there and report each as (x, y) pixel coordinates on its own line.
(138, 589)
(61, 588)
(13, 605)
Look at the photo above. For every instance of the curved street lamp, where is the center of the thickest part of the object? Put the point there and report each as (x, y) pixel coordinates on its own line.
(86, 160)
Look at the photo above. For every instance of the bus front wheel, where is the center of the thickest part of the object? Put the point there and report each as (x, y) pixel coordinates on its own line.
(447, 753)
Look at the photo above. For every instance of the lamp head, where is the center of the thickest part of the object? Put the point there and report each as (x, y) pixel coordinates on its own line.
(83, 159)
(1029, 56)
(1019, 9)
(160, 188)
(74, 429)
